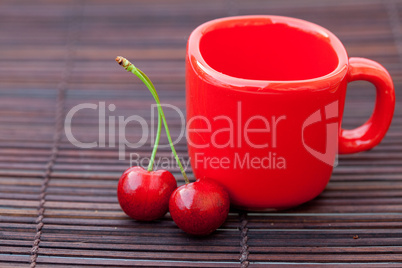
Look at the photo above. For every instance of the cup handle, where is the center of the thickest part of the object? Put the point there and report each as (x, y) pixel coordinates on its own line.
(370, 133)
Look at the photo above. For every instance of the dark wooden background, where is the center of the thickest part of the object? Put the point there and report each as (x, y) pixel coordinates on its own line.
(58, 205)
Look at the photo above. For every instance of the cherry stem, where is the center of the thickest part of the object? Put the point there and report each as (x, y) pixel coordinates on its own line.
(158, 135)
(144, 78)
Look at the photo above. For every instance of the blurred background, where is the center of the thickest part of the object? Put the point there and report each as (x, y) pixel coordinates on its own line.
(46, 45)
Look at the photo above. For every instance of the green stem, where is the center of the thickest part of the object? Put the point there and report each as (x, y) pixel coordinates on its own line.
(158, 135)
(144, 78)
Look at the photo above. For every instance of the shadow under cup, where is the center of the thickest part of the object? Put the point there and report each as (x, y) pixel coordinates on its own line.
(264, 99)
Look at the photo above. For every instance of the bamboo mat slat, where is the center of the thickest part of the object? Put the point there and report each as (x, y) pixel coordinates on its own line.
(58, 204)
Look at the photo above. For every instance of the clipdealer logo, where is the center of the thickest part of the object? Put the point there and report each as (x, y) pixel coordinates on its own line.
(238, 134)
(331, 143)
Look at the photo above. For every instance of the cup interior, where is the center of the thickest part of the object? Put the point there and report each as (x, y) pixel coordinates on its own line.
(268, 51)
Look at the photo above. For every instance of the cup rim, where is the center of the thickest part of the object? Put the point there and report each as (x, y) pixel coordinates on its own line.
(327, 81)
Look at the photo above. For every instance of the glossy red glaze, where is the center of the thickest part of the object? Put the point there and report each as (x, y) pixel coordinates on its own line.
(199, 208)
(370, 133)
(287, 79)
(144, 195)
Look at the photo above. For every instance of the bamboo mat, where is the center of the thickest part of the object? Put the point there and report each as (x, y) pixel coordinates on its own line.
(58, 205)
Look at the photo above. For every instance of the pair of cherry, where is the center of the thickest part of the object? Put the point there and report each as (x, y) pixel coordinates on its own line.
(198, 208)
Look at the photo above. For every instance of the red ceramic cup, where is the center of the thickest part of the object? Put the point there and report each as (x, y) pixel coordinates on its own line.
(265, 98)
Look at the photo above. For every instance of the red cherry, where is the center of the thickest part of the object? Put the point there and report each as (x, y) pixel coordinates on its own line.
(144, 195)
(199, 208)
